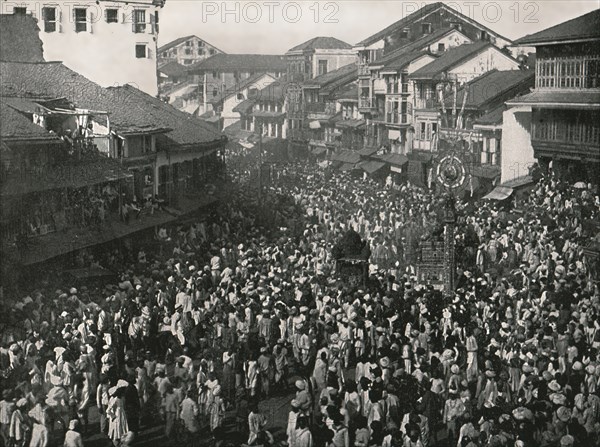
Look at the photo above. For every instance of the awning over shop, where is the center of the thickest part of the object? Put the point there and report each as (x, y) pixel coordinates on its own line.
(318, 150)
(368, 151)
(350, 124)
(346, 167)
(519, 182)
(394, 159)
(346, 157)
(499, 193)
(371, 166)
(486, 171)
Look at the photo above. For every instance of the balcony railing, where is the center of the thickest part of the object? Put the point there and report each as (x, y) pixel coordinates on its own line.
(568, 72)
(430, 103)
(565, 132)
(315, 107)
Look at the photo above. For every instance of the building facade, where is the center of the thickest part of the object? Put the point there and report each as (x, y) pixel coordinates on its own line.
(558, 123)
(186, 51)
(317, 57)
(120, 37)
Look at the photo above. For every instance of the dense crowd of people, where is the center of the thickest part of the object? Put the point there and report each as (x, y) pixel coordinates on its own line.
(232, 313)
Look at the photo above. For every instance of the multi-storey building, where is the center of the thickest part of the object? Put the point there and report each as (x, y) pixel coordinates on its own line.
(425, 21)
(222, 107)
(558, 123)
(120, 37)
(221, 72)
(443, 76)
(317, 57)
(186, 51)
(265, 113)
(74, 153)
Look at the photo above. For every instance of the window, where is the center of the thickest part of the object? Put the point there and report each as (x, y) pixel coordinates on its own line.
(19, 10)
(483, 35)
(156, 21)
(188, 44)
(426, 28)
(140, 51)
(200, 43)
(322, 67)
(111, 15)
(188, 51)
(214, 74)
(212, 52)
(240, 97)
(405, 33)
(215, 92)
(139, 20)
(49, 16)
(200, 52)
(80, 17)
(457, 25)
(441, 47)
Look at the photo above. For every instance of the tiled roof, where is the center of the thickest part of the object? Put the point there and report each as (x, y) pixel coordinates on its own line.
(401, 61)
(416, 45)
(187, 130)
(494, 116)
(348, 92)
(449, 59)
(559, 98)
(493, 85)
(237, 88)
(346, 157)
(53, 80)
(245, 105)
(586, 26)
(241, 62)
(394, 159)
(173, 69)
(19, 39)
(16, 126)
(415, 16)
(176, 42)
(129, 109)
(322, 43)
(349, 71)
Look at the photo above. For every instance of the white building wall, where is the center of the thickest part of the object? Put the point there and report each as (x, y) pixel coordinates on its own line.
(106, 52)
(454, 39)
(229, 116)
(335, 59)
(487, 60)
(517, 151)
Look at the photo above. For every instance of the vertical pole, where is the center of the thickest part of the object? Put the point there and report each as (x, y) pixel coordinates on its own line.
(260, 160)
(449, 258)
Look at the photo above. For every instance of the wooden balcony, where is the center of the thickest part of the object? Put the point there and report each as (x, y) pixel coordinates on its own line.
(573, 140)
(398, 119)
(366, 103)
(363, 70)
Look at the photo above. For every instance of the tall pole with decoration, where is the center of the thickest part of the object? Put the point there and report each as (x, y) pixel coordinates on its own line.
(449, 248)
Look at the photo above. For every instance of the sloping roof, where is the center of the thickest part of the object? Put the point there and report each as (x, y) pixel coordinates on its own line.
(424, 11)
(16, 126)
(491, 85)
(450, 59)
(346, 157)
(322, 43)
(237, 88)
(394, 159)
(241, 62)
(402, 61)
(245, 105)
(416, 45)
(349, 70)
(492, 117)
(187, 130)
(370, 166)
(559, 98)
(130, 110)
(176, 42)
(19, 39)
(173, 68)
(348, 92)
(586, 27)
(54, 80)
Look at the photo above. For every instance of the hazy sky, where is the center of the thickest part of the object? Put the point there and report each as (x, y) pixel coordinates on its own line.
(273, 27)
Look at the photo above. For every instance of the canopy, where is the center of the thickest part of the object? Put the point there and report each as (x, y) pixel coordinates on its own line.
(499, 193)
(371, 166)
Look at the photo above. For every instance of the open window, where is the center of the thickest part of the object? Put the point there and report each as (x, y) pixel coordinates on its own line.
(80, 21)
(111, 15)
(50, 16)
